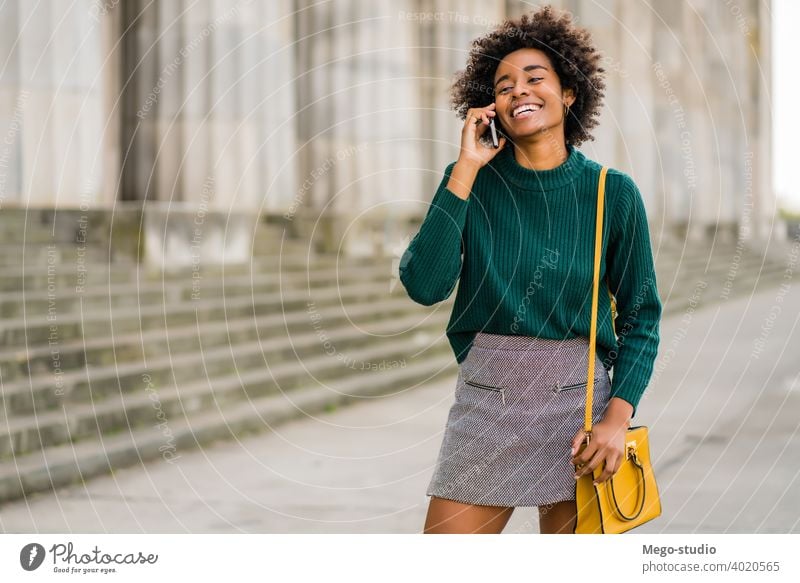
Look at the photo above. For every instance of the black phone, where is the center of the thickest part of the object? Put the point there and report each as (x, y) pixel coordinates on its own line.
(495, 143)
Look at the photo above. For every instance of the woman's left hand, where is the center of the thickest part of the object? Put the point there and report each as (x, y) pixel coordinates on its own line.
(607, 445)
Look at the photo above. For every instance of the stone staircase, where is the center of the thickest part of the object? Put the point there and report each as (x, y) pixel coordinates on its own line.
(692, 275)
(132, 365)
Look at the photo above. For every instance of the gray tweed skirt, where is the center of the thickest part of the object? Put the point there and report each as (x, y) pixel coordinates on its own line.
(519, 400)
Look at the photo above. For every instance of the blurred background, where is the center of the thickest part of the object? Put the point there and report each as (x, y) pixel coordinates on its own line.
(203, 204)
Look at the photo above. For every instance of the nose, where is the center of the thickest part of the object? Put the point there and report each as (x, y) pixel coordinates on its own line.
(519, 89)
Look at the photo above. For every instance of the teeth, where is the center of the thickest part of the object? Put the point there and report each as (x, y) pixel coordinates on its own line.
(527, 107)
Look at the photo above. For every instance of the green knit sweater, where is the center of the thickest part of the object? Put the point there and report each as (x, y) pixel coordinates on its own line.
(527, 241)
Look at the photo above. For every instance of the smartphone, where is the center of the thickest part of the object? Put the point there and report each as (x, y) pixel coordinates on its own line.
(495, 143)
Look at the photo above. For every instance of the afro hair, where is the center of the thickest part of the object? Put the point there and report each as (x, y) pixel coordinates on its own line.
(570, 50)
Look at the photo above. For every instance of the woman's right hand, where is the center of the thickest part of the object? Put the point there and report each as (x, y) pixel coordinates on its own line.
(475, 125)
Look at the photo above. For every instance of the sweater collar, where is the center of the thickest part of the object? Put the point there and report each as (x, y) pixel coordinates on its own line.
(509, 169)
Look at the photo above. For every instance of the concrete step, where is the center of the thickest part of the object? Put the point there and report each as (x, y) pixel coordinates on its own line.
(101, 231)
(79, 418)
(37, 277)
(716, 269)
(108, 320)
(33, 255)
(49, 468)
(743, 279)
(30, 303)
(687, 277)
(692, 295)
(200, 352)
(38, 360)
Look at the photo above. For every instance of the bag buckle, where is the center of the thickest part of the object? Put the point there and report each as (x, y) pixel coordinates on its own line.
(630, 450)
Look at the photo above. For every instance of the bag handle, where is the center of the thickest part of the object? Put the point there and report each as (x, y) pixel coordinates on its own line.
(643, 484)
(601, 190)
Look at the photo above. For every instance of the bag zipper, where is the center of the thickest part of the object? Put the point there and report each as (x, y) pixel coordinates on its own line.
(500, 390)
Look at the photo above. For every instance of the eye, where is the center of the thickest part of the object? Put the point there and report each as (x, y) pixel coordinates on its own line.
(532, 79)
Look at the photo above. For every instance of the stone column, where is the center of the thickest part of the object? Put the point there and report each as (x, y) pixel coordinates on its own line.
(698, 152)
(671, 115)
(339, 128)
(611, 144)
(139, 101)
(427, 59)
(759, 53)
(253, 88)
(36, 62)
(198, 175)
(14, 100)
(224, 108)
(630, 77)
(366, 71)
(168, 115)
(279, 116)
(110, 23)
(318, 103)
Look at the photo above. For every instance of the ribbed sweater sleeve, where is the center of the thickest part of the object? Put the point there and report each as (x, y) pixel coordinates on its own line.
(633, 281)
(431, 265)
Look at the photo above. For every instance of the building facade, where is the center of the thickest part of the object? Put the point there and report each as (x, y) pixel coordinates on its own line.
(337, 112)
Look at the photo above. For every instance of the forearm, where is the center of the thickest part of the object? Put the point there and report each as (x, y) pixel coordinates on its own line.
(618, 412)
(462, 178)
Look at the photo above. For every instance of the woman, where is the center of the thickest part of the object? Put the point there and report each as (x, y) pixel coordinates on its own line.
(523, 216)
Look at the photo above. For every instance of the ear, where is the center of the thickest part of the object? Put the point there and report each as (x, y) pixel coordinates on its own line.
(568, 95)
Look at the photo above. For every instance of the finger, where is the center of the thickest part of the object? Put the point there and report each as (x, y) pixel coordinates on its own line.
(583, 458)
(606, 473)
(585, 454)
(578, 439)
(590, 465)
(469, 124)
(598, 461)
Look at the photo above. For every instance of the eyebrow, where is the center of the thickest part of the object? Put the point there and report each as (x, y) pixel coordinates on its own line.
(526, 68)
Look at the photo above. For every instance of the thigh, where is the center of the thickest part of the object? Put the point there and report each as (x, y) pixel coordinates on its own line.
(558, 518)
(452, 517)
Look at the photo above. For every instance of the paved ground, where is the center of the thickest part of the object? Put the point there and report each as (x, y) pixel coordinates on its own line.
(723, 408)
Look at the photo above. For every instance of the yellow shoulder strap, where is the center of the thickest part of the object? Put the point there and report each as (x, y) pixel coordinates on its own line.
(601, 190)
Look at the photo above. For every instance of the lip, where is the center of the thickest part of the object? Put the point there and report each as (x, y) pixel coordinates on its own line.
(525, 114)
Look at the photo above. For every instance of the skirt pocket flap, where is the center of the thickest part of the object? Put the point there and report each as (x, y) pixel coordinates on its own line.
(493, 373)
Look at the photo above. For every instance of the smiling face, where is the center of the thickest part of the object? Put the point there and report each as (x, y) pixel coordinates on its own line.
(528, 95)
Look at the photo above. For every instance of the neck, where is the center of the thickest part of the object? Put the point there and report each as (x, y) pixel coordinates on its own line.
(541, 153)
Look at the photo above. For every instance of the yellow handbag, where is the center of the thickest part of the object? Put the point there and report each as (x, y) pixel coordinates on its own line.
(630, 497)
